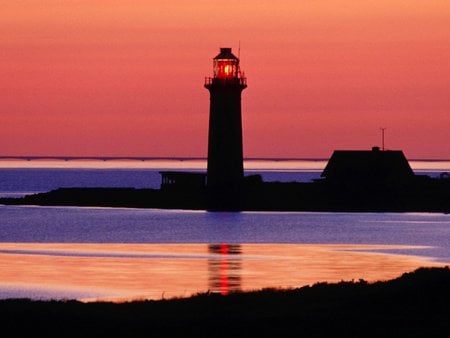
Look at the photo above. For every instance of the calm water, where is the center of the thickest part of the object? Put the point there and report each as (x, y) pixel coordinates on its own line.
(117, 254)
(103, 253)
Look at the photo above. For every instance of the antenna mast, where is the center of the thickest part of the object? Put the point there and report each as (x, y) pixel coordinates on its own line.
(382, 137)
(239, 58)
(239, 50)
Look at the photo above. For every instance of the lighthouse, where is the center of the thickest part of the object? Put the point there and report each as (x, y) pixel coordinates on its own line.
(225, 156)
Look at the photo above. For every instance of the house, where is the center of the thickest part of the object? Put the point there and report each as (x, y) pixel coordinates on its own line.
(368, 167)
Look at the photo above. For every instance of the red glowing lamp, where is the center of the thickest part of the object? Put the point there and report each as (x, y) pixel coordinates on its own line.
(226, 65)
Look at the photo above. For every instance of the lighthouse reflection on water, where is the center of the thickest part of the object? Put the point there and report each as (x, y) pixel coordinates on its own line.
(224, 267)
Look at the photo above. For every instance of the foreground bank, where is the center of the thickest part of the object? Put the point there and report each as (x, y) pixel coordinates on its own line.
(413, 305)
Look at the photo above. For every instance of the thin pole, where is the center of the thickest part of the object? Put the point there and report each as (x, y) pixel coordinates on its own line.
(239, 50)
(382, 137)
(239, 59)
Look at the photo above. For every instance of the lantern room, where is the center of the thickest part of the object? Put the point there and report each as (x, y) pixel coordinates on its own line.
(226, 65)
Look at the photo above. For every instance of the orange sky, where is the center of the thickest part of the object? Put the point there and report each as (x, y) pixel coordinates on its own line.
(106, 77)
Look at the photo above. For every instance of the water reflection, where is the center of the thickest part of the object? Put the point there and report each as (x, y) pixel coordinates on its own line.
(125, 271)
(224, 267)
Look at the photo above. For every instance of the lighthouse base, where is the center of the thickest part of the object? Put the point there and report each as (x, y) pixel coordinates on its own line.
(224, 199)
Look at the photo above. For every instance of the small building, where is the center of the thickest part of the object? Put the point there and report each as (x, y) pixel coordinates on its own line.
(182, 181)
(368, 167)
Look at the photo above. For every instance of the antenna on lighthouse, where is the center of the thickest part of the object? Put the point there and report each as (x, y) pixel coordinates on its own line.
(239, 60)
(239, 50)
(382, 137)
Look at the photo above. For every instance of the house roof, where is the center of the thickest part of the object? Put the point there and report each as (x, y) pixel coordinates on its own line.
(367, 165)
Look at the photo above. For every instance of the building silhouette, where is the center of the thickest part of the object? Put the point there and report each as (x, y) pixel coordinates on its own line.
(365, 167)
(225, 170)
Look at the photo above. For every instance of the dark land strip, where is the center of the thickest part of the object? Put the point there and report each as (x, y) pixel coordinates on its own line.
(363, 181)
(425, 195)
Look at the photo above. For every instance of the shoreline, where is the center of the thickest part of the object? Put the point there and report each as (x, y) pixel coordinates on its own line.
(426, 195)
(414, 305)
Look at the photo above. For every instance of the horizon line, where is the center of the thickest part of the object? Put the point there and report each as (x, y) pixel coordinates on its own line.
(175, 158)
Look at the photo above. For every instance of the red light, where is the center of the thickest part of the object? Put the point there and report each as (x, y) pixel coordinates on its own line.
(226, 69)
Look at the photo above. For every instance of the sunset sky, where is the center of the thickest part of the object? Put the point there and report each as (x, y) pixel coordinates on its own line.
(125, 78)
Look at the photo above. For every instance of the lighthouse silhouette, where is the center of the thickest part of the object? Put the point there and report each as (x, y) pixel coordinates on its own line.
(225, 171)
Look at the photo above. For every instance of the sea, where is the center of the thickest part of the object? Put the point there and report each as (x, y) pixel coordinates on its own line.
(123, 254)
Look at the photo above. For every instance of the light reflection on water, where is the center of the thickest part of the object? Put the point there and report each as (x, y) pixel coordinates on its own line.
(39, 260)
(154, 271)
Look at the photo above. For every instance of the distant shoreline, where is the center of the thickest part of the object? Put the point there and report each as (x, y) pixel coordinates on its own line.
(156, 158)
(358, 181)
(273, 196)
(194, 164)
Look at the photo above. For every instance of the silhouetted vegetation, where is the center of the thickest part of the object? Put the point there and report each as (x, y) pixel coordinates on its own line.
(413, 305)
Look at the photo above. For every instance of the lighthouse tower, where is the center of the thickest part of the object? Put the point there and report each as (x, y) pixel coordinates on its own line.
(225, 159)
